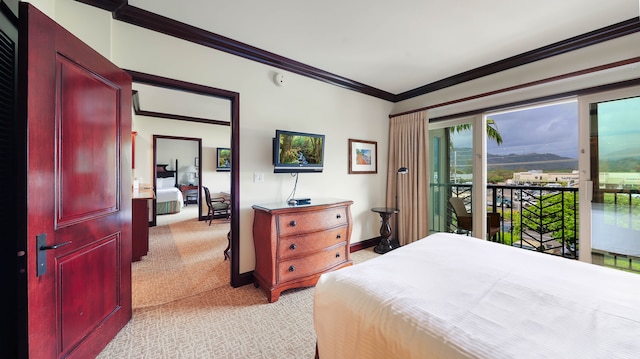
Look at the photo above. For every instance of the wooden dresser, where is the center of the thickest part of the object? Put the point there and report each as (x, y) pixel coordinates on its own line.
(140, 223)
(295, 244)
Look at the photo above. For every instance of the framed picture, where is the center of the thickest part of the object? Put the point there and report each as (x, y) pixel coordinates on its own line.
(363, 156)
(223, 158)
(197, 161)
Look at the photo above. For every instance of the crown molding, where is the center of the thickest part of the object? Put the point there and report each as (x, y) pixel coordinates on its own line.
(155, 22)
(122, 11)
(109, 5)
(591, 38)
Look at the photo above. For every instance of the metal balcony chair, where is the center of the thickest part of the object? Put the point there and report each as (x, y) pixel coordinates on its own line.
(465, 218)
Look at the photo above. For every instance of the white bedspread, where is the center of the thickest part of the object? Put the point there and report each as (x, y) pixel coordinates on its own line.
(168, 195)
(452, 296)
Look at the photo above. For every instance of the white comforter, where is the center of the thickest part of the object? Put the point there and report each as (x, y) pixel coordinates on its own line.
(451, 296)
(168, 195)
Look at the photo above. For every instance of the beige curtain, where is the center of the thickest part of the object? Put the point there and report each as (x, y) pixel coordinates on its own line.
(409, 147)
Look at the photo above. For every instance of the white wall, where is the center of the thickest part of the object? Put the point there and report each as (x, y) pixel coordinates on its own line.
(212, 136)
(185, 152)
(303, 105)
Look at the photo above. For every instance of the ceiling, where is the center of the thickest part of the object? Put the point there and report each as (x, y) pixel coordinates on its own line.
(396, 46)
(161, 102)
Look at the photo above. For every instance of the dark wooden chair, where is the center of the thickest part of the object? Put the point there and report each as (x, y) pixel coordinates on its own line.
(465, 218)
(218, 206)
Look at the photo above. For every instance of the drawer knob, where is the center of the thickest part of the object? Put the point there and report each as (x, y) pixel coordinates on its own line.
(337, 254)
(292, 268)
(338, 216)
(339, 236)
(292, 223)
(293, 246)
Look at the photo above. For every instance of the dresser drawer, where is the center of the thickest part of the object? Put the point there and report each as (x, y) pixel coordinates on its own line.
(305, 222)
(295, 246)
(313, 264)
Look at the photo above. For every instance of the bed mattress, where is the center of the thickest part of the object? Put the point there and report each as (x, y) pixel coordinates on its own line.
(169, 200)
(168, 194)
(452, 296)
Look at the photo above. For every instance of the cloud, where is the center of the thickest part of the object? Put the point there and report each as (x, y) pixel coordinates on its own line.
(549, 129)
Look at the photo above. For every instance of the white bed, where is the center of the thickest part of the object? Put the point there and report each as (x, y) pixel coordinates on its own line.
(169, 199)
(452, 296)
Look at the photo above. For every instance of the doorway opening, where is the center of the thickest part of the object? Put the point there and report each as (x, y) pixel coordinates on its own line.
(237, 279)
(177, 177)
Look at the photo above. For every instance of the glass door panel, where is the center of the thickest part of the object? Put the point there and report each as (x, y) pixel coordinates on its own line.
(437, 167)
(615, 173)
(451, 172)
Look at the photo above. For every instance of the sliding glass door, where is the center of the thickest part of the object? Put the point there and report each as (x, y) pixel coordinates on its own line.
(451, 171)
(613, 170)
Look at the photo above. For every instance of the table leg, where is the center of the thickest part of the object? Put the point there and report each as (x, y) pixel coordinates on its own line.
(385, 244)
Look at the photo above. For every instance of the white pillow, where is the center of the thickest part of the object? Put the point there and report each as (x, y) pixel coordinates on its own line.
(167, 182)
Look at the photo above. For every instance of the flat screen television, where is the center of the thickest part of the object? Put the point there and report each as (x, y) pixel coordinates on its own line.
(297, 152)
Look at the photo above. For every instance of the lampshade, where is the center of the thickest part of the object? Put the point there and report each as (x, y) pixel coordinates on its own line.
(192, 169)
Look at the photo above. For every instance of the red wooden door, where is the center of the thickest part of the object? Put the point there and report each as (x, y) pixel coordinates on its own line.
(79, 192)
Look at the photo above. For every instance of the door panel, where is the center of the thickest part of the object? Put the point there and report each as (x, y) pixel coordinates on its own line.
(615, 159)
(79, 192)
(87, 138)
(452, 171)
(84, 311)
(439, 177)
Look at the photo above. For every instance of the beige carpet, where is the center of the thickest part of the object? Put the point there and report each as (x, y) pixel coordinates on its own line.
(185, 258)
(184, 306)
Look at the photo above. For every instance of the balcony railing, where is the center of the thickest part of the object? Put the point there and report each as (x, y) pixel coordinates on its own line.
(543, 219)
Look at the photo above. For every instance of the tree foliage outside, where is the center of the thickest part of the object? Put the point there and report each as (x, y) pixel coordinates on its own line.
(492, 130)
(499, 175)
(619, 212)
(555, 214)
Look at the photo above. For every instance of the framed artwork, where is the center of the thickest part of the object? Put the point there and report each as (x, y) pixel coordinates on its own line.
(363, 156)
(223, 159)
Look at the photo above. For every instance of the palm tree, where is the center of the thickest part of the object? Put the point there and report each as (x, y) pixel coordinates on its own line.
(492, 130)
(492, 133)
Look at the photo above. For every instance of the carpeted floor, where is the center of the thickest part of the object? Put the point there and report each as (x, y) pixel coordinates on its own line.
(185, 258)
(184, 306)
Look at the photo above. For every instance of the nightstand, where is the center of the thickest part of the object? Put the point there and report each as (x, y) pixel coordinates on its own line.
(189, 193)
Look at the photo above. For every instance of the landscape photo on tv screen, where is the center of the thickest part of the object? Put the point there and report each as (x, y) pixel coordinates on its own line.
(300, 149)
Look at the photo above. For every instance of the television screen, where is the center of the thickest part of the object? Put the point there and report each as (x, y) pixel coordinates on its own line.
(298, 152)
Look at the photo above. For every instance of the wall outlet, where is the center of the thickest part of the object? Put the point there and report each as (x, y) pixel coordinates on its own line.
(258, 177)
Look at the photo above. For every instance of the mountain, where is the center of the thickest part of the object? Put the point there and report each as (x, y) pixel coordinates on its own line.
(626, 154)
(546, 162)
(621, 161)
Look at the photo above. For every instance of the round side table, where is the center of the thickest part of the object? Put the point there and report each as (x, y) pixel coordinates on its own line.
(385, 244)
